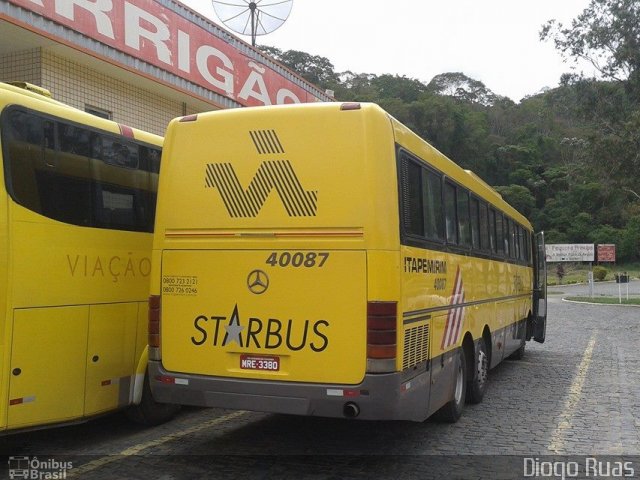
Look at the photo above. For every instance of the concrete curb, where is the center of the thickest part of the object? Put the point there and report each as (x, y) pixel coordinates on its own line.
(564, 299)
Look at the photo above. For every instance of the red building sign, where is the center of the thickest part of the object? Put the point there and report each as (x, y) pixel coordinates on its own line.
(157, 35)
(606, 253)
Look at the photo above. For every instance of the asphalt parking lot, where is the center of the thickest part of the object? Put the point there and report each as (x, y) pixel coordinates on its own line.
(577, 395)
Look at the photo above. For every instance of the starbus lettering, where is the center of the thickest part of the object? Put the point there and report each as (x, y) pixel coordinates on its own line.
(258, 333)
(115, 267)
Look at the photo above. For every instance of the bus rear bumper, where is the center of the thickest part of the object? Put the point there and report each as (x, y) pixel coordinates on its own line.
(378, 397)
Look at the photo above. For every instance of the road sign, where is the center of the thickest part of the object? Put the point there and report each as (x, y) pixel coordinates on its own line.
(607, 253)
(570, 252)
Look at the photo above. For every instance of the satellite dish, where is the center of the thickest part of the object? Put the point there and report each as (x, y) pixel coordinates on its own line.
(253, 18)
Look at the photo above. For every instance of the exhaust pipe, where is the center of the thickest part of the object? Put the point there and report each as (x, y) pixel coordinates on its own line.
(351, 410)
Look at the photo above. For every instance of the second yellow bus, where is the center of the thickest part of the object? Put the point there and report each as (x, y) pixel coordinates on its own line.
(77, 207)
(324, 260)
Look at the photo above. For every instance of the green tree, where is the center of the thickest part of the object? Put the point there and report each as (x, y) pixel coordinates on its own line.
(604, 234)
(519, 197)
(602, 158)
(313, 68)
(399, 87)
(458, 85)
(580, 228)
(629, 248)
(357, 87)
(606, 34)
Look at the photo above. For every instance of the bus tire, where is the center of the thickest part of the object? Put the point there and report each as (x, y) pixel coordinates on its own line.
(452, 410)
(149, 412)
(478, 380)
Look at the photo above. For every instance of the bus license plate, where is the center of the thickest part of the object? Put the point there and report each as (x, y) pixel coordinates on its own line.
(255, 362)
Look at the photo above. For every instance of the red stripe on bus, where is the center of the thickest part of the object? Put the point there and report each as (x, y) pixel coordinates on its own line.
(126, 131)
(455, 315)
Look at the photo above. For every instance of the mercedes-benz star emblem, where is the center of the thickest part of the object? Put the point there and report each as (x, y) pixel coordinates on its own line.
(258, 282)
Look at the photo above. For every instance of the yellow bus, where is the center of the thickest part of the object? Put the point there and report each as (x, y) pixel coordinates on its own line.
(324, 260)
(76, 214)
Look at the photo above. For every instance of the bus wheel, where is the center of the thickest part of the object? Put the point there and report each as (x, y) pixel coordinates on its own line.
(478, 381)
(149, 412)
(452, 410)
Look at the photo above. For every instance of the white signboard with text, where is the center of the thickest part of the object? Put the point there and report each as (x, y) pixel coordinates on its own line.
(570, 252)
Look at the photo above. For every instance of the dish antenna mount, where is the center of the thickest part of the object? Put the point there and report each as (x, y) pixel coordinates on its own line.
(254, 18)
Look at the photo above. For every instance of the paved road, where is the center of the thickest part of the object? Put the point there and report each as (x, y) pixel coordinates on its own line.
(577, 394)
(600, 288)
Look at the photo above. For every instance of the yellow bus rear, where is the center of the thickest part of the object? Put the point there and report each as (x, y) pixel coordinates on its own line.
(76, 213)
(284, 279)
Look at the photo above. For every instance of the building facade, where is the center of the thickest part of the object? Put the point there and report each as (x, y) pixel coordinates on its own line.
(139, 62)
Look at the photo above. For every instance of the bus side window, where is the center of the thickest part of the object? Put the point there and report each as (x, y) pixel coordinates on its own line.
(155, 155)
(507, 235)
(49, 135)
(492, 230)
(484, 227)
(451, 222)
(500, 233)
(22, 141)
(74, 139)
(132, 155)
(475, 223)
(15, 120)
(513, 247)
(149, 159)
(521, 242)
(119, 152)
(96, 148)
(122, 197)
(63, 186)
(25, 127)
(432, 200)
(412, 207)
(464, 230)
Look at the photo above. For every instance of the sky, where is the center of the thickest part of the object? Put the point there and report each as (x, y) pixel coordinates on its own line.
(494, 41)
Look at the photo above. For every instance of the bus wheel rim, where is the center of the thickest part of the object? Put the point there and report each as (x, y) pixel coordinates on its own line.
(482, 368)
(459, 385)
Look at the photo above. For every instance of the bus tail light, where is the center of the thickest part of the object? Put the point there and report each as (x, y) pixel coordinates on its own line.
(382, 331)
(154, 327)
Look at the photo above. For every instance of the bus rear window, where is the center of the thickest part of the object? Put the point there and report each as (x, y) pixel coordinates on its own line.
(77, 174)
